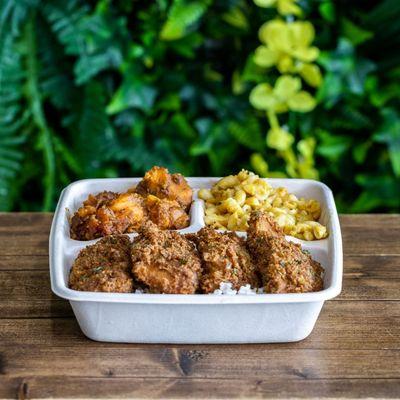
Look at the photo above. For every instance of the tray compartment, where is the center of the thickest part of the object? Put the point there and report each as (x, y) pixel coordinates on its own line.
(160, 318)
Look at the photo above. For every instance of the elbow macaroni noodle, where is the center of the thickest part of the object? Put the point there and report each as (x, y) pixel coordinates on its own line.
(231, 200)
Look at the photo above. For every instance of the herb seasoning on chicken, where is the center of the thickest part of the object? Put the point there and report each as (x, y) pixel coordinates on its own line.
(165, 261)
(103, 267)
(225, 259)
(284, 266)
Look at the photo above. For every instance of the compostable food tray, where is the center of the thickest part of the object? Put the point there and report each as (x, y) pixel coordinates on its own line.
(198, 318)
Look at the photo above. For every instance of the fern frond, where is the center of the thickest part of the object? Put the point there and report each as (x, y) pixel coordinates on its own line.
(12, 120)
(55, 77)
(92, 37)
(13, 13)
(91, 131)
(247, 133)
(34, 97)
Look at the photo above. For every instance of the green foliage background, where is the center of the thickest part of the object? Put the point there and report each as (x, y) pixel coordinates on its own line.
(110, 88)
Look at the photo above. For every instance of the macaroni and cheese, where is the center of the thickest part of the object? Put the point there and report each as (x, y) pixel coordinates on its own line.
(231, 200)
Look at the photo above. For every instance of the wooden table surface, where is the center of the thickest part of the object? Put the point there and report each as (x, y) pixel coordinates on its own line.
(353, 352)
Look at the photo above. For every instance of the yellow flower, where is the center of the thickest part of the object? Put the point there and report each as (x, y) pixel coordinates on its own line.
(286, 95)
(305, 164)
(288, 46)
(279, 139)
(260, 166)
(285, 7)
(258, 162)
(310, 73)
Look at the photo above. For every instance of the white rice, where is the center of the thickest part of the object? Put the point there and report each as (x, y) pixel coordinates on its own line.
(225, 288)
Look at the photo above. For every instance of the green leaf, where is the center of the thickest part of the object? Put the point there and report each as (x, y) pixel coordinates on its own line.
(237, 18)
(170, 102)
(327, 11)
(180, 17)
(379, 191)
(182, 126)
(87, 67)
(332, 146)
(187, 45)
(354, 33)
(252, 72)
(247, 133)
(356, 80)
(360, 152)
(389, 134)
(383, 94)
(347, 73)
(265, 3)
(134, 93)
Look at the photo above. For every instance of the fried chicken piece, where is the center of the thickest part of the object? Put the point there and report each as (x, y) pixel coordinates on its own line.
(103, 267)
(225, 259)
(283, 265)
(166, 214)
(263, 224)
(165, 261)
(159, 182)
(108, 213)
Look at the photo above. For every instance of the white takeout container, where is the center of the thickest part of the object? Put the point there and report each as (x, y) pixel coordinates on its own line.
(199, 318)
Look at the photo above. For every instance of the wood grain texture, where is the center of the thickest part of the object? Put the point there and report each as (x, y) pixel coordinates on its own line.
(25, 234)
(372, 234)
(195, 388)
(209, 362)
(24, 263)
(353, 352)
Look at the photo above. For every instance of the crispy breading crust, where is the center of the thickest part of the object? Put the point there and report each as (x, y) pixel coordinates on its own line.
(159, 182)
(103, 267)
(262, 223)
(284, 266)
(225, 259)
(165, 261)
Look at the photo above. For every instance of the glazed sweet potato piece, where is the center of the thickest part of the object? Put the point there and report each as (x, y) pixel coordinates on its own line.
(159, 182)
(108, 213)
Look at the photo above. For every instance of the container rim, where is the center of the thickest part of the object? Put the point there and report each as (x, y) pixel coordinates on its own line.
(61, 290)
